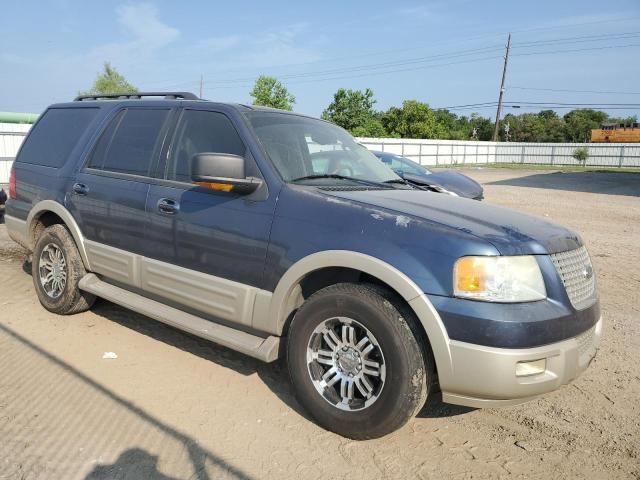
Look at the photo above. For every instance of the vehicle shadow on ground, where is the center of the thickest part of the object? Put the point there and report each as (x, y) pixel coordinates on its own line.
(607, 183)
(134, 463)
(274, 375)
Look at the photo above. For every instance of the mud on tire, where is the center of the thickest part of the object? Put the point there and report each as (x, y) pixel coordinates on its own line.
(372, 333)
(56, 269)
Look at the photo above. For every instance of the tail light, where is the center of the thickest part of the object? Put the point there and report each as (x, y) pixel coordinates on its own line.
(12, 183)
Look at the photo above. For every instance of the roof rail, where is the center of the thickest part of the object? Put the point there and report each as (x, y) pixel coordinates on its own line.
(138, 95)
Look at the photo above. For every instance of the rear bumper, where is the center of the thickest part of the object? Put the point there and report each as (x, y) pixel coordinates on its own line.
(17, 230)
(486, 376)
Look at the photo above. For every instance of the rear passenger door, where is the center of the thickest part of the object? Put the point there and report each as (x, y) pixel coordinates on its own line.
(212, 244)
(109, 195)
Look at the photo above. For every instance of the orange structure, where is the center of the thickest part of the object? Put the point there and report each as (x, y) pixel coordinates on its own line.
(616, 133)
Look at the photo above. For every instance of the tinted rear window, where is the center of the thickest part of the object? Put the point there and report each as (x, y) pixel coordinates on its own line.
(55, 135)
(130, 142)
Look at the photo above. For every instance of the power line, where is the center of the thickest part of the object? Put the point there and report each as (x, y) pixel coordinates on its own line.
(371, 69)
(634, 105)
(483, 105)
(578, 39)
(453, 54)
(358, 68)
(369, 74)
(384, 72)
(576, 50)
(608, 92)
(371, 66)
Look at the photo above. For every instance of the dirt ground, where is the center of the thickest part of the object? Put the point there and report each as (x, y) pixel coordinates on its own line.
(174, 406)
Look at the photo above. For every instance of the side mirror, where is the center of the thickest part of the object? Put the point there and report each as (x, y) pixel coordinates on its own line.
(223, 172)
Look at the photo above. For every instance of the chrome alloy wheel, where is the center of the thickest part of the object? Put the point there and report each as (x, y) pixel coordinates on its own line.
(346, 364)
(52, 267)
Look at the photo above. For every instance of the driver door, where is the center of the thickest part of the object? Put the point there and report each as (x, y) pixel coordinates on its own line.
(209, 245)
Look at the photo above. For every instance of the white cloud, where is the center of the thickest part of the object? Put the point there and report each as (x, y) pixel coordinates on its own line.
(148, 34)
(218, 44)
(143, 22)
(418, 11)
(273, 48)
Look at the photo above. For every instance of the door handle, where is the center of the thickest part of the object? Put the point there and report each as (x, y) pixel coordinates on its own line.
(168, 206)
(80, 189)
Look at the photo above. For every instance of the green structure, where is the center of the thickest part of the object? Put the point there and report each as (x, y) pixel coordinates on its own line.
(13, 117)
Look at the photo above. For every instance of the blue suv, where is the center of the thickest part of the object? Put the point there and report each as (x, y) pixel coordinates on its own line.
(276, 234)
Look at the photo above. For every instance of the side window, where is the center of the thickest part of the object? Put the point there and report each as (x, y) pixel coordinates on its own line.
(55, 135)
(201, 131)
(130, 142)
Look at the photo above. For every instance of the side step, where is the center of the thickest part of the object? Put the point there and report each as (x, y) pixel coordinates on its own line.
(265, 349)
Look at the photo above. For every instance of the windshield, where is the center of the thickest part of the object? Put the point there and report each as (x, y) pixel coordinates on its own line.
(307, 150)
(403, 164)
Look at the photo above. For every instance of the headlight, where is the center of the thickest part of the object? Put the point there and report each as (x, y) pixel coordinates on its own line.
(499, 279)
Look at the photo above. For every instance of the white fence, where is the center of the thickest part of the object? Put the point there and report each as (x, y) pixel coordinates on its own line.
(430, 152)
(11, 136)
(453, 152)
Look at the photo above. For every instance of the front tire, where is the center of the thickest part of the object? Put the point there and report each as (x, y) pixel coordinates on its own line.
(56, 269)
(355, 361)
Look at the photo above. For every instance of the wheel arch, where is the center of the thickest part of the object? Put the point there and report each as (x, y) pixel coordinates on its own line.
(48, 208)
(287, 297)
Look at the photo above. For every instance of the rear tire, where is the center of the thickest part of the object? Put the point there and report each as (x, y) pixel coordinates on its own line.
(56, 269)
(346, 332)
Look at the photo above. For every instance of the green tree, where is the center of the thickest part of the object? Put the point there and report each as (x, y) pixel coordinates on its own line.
(270, 92)
(527, 127)
(110, 81)
(579, 123)
(413, 120)
(553, 127)
(483, 126)
(455, 128)
(581, 154)
(353, 111)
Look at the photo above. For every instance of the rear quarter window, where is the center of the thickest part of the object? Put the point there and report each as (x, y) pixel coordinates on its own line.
(130, 142)
(55, 135)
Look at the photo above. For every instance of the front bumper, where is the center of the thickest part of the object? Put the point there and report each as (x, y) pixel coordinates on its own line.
(486, 376)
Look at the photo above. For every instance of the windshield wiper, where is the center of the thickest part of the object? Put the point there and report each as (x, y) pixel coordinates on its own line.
(342, 177)
(401, 181)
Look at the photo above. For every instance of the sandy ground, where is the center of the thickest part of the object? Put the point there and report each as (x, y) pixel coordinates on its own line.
(174, 406)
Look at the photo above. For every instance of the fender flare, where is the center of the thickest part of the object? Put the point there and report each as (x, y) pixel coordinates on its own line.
(286, 296)
(54, 207)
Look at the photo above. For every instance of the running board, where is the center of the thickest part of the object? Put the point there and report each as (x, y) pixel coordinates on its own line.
(265, 349)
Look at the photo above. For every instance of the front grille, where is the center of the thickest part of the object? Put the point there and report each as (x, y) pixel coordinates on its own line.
(578, 277)
(585, 341)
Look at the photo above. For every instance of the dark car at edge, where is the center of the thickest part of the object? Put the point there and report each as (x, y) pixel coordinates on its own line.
(442, 181)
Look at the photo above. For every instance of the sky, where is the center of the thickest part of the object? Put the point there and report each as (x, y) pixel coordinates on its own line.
(445, 53)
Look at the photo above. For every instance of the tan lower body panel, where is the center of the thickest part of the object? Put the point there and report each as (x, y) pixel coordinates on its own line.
(211, 295)
(265, 349)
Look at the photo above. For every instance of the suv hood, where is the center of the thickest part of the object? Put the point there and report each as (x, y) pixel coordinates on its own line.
(510, 232)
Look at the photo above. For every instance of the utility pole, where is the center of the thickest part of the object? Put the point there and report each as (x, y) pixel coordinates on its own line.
(504, 74)
(200, 85)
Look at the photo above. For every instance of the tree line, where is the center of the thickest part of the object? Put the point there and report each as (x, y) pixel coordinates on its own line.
(354, 110)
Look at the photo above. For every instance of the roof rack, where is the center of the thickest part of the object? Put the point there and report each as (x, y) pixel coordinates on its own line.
(138, 95)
